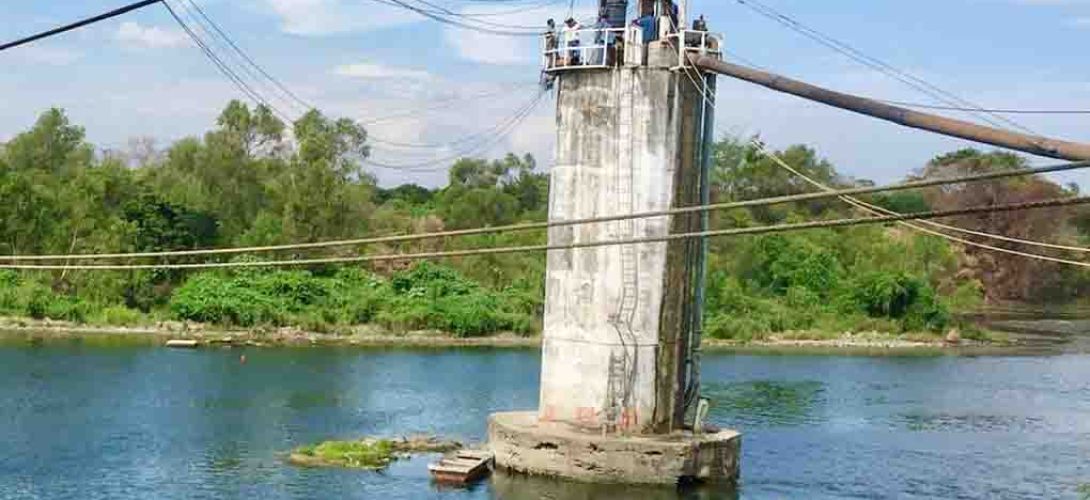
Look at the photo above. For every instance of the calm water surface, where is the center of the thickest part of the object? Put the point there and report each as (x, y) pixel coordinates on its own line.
(133, 422)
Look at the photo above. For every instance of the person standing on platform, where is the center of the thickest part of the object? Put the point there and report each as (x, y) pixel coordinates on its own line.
(603, 39)
(551, 45)
(571, 39)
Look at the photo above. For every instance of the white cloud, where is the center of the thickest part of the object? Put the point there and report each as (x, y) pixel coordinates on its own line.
(324, 17)
(371, 71)
(489, 49)
(149, 37)
(1080, 22)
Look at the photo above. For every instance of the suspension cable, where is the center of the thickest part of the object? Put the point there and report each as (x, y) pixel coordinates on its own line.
(875, 209)
(78, 24)
(870, 208)
(832, 193)
(781, 228)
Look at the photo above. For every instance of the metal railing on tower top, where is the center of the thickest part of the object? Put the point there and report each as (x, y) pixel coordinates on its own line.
(697, 43)
(584, 48)
(598, 48)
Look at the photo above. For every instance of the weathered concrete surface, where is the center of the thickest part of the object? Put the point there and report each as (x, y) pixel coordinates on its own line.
(523, 444)
(517, 486)
(616, 319)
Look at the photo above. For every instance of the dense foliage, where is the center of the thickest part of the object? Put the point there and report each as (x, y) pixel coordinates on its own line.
(254, 180)
(427, 296)
(882, 278)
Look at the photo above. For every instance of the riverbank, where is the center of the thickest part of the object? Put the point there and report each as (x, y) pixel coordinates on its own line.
(30, 330)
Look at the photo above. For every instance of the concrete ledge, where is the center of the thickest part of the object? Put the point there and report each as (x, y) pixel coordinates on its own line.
(522, 444)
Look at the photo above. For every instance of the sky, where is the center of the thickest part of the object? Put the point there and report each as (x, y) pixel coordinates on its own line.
(414, 81)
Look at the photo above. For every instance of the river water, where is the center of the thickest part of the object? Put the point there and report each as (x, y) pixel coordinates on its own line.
(80, 421)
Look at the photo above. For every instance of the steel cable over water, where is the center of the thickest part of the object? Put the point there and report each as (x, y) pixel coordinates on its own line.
(869, 208)
(874, 209)
(559, 223)
(79, 24)
(881, 66)
(781, 228)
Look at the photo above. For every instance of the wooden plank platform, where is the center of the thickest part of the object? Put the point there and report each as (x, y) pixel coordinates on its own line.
(463, 467)
(182, 344)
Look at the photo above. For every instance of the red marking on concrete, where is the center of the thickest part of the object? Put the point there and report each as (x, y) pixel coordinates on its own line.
(587, 415)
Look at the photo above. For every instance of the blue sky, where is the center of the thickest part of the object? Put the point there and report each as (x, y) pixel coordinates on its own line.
(138, 76)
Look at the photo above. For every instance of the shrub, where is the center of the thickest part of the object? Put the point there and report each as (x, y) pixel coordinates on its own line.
(740, 328)
(899, 296)
(12, 300)
(36, 300)
(218, 298)
(885, 294)
(8, 278)
(20, 297)
(65, 308)
(427, 280)
(117, 316)
(427, 296)
(471, 315)
(430, 296)
(780, 263)
(293, 289)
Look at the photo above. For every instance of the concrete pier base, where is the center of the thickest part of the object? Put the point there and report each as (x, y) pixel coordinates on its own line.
(523, 444)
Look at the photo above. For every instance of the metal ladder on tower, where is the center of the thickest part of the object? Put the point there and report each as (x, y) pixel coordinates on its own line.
(616, 390)
(626, 205)
(622, 369)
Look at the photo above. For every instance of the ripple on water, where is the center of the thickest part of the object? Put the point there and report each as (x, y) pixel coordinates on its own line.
(767, 403)
(947, 422)
(150, 423)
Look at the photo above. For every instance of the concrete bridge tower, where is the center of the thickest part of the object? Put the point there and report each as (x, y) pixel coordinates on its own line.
(620, 373)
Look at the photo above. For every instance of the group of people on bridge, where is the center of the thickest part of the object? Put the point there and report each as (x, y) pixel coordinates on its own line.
(570, 46)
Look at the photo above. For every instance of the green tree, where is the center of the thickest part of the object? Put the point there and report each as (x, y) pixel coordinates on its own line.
(324, 191)
(36, 165)
(742, 172)
(497, 192)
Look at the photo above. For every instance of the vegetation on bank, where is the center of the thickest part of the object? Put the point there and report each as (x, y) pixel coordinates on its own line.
(373, 454)
(425, 297)
(370, 453)
(249, 182)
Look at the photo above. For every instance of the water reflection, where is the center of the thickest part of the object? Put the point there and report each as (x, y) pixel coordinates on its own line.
(84, 421)
(766, 402)
(509, 486)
